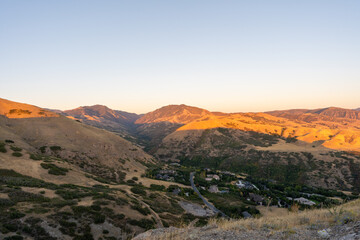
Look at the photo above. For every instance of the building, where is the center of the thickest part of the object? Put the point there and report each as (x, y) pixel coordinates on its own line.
(213, 189)
(304, 201)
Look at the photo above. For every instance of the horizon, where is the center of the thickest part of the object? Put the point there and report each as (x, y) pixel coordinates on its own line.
(56, 109)
(136, 57)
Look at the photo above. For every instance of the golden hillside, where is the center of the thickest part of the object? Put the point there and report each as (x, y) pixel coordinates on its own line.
(21, 110)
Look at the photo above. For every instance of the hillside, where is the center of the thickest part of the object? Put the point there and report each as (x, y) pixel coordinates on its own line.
(261, 144)
(95, 150)
(21, 110)
(331, 113)
(337, 223)
(101, 116)
(180, 114)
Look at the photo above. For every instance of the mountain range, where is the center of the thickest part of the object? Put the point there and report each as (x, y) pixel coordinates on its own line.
(101, 167)
(263, 144)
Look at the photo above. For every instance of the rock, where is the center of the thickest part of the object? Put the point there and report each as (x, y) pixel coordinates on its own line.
(350, 236)
(324, 233)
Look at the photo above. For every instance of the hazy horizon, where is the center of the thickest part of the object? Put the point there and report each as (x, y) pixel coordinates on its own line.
(232, 56)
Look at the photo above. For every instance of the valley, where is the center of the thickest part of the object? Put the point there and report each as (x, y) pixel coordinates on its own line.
(94, 172)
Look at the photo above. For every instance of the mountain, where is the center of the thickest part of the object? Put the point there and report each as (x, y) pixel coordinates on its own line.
(331, 113)
(179, 114)
(263, 144)
(101, 116)
(96, 151)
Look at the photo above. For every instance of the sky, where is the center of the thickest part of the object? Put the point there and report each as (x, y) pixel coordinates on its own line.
(136, 56)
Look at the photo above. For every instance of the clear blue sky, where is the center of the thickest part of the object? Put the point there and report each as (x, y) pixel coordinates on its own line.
(136, 56)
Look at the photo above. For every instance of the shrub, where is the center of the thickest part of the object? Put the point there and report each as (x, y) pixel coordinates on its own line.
(157, 187)
(143, 210)
(99, 218)
(2, 148)
(55, 148)
(15, 149)
(9, 141)
(17, 154)
(138, 190)
(16, 214)
(53, 169)
(15, 237)
(43, 149)
(35, 157)
(21, 196)
(143, 223)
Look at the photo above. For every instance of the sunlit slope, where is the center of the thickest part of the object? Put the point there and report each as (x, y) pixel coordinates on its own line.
(341, 135)
(12, 109)
(180, 114)
(96, 150)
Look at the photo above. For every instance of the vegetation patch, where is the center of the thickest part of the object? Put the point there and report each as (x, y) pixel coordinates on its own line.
(53, 169)
(17, 154)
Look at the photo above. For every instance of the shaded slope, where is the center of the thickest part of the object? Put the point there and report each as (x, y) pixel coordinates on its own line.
(100, 116)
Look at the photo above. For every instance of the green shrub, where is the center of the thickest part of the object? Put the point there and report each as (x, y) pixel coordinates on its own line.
(99, 218)
(16, 214)
(9, 141)
(138, 190)
(2, 148)
(15, 237)
(53, 169)
(143, 210)
(21, 196)
(15, 149)
(17, 154)
(43, 149)
(143, 223)
(55, 148)
(35, 157)
(157, 187)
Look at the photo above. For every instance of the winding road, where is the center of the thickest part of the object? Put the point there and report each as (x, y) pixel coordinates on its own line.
(212, 207)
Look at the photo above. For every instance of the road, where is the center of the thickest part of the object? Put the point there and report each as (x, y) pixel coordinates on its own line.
(212, 207)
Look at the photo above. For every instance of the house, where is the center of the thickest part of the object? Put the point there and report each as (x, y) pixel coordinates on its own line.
(213, 189)
(208, 179)
(216, 177)
(175, 164)
(245, 184)
(212, 176)
(304, 201)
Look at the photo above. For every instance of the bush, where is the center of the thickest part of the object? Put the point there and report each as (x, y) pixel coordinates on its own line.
(53, 169)
(15, 237)
(35, 157)
(2, 148)
(9, 141)
(143, 223)
(16, 214)
(157, 187)
(55, 148)
(15, 149)
(17, 154)
(99, 218)
(138, 190)
(43, 149)
(143, 210)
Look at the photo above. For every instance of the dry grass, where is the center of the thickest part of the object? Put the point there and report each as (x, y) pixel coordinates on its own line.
(346, 212)
(275, 221)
